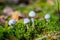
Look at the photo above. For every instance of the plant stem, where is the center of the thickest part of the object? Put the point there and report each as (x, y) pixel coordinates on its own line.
(43, 37)
(58, 9)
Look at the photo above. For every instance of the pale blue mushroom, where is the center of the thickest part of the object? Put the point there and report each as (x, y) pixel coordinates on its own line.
(26, 20)
(47, 16)
(32, 14)
(12, 22)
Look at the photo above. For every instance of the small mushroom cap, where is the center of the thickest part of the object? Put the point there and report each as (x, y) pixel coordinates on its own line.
(47, 16)
(32, 14)
(12, 22)
(26, 20)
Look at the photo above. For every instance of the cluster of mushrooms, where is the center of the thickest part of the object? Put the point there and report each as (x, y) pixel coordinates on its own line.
(16, 14)
(32, 14)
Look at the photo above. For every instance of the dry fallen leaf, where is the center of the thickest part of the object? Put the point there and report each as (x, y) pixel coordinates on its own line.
(54, 37)
(16, 15)
(2, 20)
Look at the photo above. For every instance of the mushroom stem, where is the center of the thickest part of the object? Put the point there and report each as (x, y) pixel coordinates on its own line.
(11, 26)
(46, 20)
(27, 26)
(32, 22)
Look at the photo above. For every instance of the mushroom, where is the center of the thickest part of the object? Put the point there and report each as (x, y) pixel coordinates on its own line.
(47, 16)
(26, 20)
(12, 22)
(32, 14)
